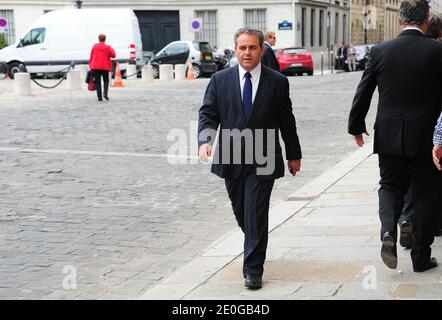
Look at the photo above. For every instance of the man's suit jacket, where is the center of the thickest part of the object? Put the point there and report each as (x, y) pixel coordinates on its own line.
(408, 73)
(269, 59)
(342, 51)
(272, 109)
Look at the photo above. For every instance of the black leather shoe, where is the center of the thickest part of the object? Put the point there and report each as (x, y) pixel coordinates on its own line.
(430, 265)
(388, 251)
(106, 97)
(406, 239)
(253, 282)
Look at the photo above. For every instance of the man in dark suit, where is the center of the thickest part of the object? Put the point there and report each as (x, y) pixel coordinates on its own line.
(341, 56)
(408, 73)
(251, 104)
(269, 59)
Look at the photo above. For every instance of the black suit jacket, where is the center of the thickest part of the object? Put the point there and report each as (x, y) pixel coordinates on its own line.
(408, 73)
(269, 59)
(272, 109)
(342, 51)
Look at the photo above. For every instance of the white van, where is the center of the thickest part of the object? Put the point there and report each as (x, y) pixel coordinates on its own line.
(63, 36)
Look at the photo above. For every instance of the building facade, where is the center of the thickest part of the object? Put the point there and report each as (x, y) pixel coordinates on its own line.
(316, 25)
(367, 21)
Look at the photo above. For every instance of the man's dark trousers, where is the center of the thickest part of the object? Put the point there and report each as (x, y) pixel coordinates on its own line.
(397, 174)
(250, 198)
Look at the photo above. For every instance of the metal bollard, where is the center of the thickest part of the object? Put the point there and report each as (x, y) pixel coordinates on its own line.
(166, 72)
(322, 63)
(147, 73)
(74, 79)
(180, 72)
(131, 72)
(22, 83)
(331, 61)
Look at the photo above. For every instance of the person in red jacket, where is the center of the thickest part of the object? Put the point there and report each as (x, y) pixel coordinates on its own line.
(100, 64)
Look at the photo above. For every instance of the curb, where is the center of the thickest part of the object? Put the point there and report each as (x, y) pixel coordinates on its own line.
(226, 249)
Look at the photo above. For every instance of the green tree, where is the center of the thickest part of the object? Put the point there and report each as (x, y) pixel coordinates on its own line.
(2, 41)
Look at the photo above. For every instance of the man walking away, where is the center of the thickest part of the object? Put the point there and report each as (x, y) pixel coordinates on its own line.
(410, 99)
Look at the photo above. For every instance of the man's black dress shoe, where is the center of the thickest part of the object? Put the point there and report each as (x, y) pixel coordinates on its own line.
(430, 265)
(253, 282)
(406, 239)
(388, 251)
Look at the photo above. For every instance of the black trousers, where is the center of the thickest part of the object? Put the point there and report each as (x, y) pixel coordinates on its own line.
(98, 74)
(398, 174)
(250, 198)
(408, 209)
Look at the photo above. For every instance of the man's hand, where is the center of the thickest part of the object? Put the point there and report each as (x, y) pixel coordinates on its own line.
(294, 166)
(359, 138)
(205, 152)
(437, 155)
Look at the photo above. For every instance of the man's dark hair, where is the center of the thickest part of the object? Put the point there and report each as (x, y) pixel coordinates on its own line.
(434, 27)
(251, 31)
(413, 12)
(102, 38)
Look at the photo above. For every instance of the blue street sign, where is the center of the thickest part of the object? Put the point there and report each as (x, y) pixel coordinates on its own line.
(285, 25)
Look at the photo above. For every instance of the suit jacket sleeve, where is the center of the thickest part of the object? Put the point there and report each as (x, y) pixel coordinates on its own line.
(288, 125)
(362, 99)
(208, 115)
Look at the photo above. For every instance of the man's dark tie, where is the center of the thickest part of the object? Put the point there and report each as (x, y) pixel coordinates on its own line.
(247, 96)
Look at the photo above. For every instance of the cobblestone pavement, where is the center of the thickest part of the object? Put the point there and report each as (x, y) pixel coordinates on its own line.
(90, 207)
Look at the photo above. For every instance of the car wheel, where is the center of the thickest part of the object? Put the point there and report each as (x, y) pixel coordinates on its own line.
(310, 73)
(156, 72)
(3, 69)
(196, 70)
(14, 67)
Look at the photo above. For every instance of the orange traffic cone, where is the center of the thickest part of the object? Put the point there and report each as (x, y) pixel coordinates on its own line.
(118, 82)
(190, 73)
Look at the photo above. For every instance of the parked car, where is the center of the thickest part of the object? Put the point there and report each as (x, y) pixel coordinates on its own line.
(294, 60)
(179, 52)
(61, 36)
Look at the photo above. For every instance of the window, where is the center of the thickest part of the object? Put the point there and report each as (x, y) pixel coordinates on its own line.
(294, 51)
(255, 18)
(209, 29)
(35, 36)
(321, 26)
(337, 28)
(303, 27)
(328, 29)
(176, 48)
(312, 27)
(344, 27)
(202, 46)
(9, 34)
